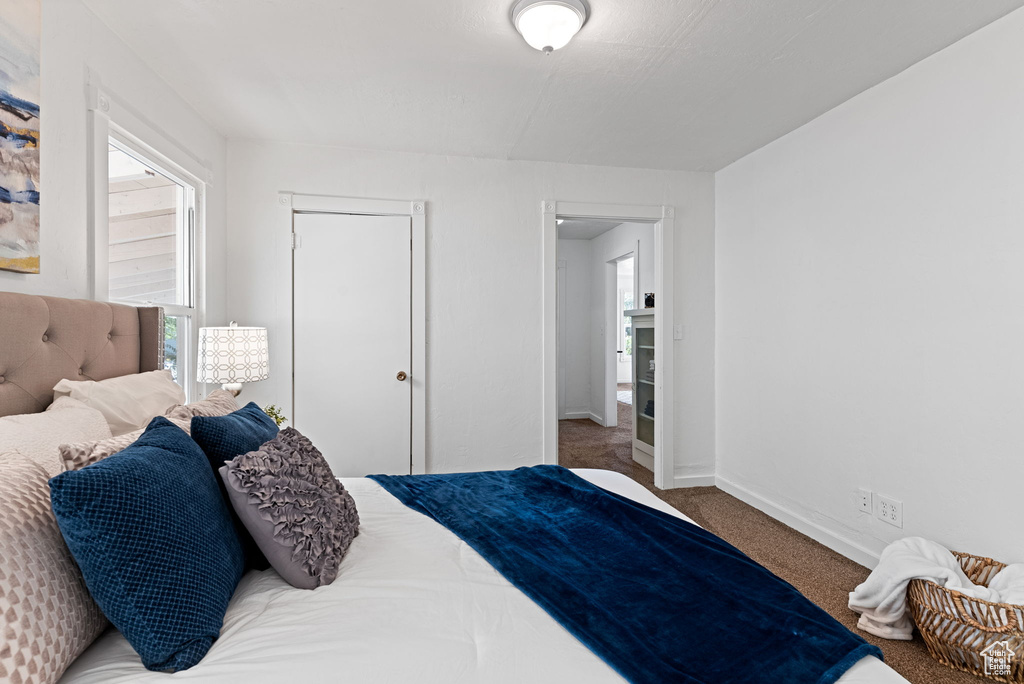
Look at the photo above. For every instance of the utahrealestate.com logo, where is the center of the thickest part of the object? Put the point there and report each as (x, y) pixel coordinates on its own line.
(998, 659)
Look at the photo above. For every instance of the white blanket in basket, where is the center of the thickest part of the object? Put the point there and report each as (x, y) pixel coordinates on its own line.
(882, 598)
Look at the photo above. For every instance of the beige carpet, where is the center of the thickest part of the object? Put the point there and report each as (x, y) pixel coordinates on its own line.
(823, 575)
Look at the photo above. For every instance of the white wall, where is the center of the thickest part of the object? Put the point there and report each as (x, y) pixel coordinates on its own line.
(76, 46)
(484, 282)
(574, 328)
(870, 293)
(605, 248)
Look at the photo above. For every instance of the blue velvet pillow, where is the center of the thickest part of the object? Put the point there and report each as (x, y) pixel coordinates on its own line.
(223, 438)
(152, 535)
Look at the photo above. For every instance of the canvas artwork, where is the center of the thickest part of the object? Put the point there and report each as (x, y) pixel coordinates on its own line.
(19, 135)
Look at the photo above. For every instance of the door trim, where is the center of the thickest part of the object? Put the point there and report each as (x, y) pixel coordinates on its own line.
(292, 204)
(664, 233)
(611, 342)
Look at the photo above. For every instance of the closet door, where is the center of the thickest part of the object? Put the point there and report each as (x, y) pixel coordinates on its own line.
(353, 340)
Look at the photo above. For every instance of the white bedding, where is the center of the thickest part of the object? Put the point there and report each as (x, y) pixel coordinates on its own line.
(412, 603)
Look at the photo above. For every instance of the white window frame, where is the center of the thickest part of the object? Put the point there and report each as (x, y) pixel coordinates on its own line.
(110, 121)
(185, 276)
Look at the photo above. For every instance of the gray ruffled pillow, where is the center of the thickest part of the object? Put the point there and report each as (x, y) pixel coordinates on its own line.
(299, 514)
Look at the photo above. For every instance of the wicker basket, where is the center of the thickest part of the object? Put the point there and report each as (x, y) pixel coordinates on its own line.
(957, 629)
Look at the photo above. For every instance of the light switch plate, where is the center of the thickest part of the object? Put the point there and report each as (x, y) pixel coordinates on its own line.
(864, 500)
(677, 331)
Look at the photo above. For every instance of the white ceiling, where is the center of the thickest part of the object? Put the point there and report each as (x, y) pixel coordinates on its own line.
(673, 84)
(584, 229)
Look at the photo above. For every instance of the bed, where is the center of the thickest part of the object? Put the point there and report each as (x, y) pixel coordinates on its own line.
(412, 602)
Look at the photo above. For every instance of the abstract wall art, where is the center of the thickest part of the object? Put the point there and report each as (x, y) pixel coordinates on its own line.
(19, 135)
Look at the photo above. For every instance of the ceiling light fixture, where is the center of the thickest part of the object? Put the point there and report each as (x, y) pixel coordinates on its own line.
(548, 25)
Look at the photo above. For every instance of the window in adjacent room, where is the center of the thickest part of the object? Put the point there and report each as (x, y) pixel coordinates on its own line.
(152, 246)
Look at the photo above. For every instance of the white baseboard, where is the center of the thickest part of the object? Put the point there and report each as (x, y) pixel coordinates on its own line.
(596, 418)
(681, 481)
(646, 460)
(836, 542)
(575, 415)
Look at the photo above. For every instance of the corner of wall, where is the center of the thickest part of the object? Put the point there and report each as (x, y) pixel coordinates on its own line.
(801, 522)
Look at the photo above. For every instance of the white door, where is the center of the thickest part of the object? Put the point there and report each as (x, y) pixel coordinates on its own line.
(353, 340)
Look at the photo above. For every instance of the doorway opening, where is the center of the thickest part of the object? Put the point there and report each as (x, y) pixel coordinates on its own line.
(660, 326)
(603, 268)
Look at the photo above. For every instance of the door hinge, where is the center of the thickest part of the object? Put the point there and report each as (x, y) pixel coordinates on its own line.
(296, 242)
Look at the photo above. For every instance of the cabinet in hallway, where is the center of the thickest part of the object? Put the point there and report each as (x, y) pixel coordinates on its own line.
(643, 386)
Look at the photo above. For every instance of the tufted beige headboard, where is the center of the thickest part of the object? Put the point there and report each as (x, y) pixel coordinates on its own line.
(46, 339)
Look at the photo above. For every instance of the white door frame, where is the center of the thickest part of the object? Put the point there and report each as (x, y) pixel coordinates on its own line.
(617, 326)
(609, 294)
(561, 311)
(291, 204)
(664, 234)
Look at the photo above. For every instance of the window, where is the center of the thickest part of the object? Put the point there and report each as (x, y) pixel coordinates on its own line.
(151, 246)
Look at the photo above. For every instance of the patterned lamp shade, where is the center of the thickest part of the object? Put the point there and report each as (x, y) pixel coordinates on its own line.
(233, 355)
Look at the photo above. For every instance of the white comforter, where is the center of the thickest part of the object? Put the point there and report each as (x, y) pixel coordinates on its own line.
(412, 603)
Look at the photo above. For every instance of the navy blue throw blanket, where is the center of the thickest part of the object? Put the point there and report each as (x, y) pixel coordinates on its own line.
(657, 598)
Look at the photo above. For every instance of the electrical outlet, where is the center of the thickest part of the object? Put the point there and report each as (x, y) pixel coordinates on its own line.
(864, 500)
(890, 511)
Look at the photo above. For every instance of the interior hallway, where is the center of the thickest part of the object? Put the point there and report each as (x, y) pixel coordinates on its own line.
(823, 575)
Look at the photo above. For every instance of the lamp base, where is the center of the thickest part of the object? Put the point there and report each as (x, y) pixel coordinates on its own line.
(234, 387)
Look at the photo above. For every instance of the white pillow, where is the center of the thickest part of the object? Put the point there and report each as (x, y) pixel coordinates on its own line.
(128, 402)
(218, 403)
(38, 436)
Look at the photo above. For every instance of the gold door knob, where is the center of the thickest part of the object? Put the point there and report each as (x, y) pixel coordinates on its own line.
(402, 376)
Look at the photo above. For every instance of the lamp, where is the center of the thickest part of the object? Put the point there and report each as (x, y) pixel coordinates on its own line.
(233, 355)
(548, 25)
